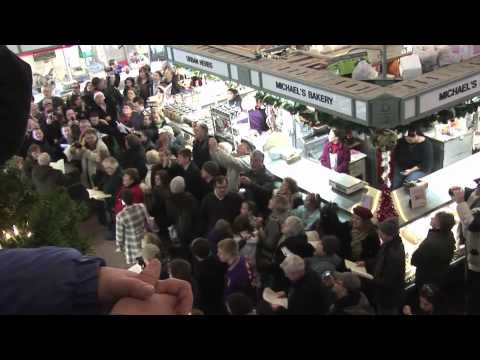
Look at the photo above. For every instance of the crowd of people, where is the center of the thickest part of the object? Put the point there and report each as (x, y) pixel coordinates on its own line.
(220, 220)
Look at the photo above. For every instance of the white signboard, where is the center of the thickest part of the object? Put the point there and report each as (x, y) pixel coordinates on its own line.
(200, 62)
(449, 93)
(13, 48)
(316, 97)
(26, 48)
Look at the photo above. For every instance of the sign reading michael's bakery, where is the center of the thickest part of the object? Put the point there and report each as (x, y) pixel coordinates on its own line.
(450, 93)
(308, 94)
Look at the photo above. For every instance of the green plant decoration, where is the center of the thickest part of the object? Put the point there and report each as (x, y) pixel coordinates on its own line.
(28, 219)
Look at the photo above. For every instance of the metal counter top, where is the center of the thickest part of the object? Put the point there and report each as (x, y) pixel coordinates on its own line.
(433, 135)
(461, 173)
(312, 177)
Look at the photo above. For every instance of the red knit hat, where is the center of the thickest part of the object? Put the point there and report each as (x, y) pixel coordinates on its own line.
(363, 212)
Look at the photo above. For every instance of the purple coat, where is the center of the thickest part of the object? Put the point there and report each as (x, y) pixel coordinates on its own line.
(239, 278)
(258, 120)
(343, 157)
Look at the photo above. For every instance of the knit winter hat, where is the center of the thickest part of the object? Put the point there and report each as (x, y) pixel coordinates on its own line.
(363, 213)
(389, 226)
(177, 185)
(211, 168)
(350, 281)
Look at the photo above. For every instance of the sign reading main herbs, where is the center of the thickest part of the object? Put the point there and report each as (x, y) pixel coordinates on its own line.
(307, 94)
(450, 93)
(200, 62)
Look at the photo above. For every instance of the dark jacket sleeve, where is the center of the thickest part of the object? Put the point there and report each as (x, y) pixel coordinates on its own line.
(427, 157)
(370, 246)
(15, 97)
(420, 256)
(48, 280)
(392, 272)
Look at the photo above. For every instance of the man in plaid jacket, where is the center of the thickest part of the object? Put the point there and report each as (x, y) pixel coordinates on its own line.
(130, 227)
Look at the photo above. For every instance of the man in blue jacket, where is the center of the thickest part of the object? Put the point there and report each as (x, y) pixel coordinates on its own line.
(53, 280)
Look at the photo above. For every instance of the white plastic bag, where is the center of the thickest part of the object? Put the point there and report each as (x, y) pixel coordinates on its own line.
(447, 56)
(410, 67)
(364, 71)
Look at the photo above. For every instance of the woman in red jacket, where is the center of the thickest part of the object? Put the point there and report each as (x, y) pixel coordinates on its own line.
(131, 181)
(336, 155)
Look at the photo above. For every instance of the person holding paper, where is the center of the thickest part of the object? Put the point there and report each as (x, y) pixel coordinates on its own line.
(44, 177)
(294, 241)
(306, 294)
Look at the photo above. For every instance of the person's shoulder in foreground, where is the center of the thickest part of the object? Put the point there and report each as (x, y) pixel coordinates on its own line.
(48, 280)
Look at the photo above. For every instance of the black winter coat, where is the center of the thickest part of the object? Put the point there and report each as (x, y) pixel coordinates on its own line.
(298, 245)
(210, 277)
(388, 270)
(134, 158)
(308, 296)
(193, 181)
(214, 209)
(109, 184)
(183, 212)
(432, 258)
(46, 179)
(261, 189)
(200, 152)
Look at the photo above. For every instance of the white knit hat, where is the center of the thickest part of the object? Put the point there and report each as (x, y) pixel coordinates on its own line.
(177, 185)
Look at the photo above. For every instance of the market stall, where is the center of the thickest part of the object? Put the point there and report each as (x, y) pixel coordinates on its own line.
(303, 78)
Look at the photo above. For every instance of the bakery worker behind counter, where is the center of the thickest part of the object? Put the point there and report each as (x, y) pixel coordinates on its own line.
(336, 154)
(234, 98)
(413, 158)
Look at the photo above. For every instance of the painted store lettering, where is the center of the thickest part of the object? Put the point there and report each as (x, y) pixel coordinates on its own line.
(302, 92)
(204, 63)
(457, 90)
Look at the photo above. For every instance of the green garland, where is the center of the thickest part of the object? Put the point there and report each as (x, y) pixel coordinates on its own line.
(384, 139)
(51, 218)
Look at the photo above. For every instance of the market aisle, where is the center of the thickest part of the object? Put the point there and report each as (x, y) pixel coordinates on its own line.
(101, 247)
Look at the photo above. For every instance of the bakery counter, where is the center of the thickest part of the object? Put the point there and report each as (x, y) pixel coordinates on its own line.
(461, 173)
(449, 149)
(312, 177)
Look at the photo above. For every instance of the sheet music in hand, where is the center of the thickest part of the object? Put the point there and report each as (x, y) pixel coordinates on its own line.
(97, 194)
(58, 165)
(271, 297)
(359, 270)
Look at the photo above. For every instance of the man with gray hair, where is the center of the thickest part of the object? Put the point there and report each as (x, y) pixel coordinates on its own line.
(45, 178)
(306, 293)
(258, 182)
(294, 241)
